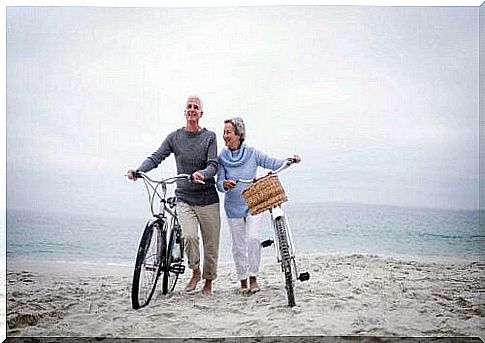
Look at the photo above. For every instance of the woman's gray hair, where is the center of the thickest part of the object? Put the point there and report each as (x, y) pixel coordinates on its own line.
(239, 128)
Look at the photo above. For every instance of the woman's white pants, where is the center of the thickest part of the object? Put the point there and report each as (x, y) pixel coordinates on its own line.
(246, 245)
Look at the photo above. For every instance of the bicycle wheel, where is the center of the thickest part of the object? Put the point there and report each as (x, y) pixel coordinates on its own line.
(171, 271)
(285, 259)
(147, 265)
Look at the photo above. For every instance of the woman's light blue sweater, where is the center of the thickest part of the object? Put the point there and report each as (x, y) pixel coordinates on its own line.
(241, 164)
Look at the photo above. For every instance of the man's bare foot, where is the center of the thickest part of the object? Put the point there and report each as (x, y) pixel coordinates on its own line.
(194, 280)
(207, 289)
(253, 284)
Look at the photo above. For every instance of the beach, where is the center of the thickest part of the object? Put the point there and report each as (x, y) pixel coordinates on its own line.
(357, 295)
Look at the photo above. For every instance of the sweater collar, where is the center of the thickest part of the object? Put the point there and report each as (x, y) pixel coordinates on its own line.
(234, 158)
(193, 134)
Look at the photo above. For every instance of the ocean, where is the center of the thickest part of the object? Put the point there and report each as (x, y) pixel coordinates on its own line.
(318, 228)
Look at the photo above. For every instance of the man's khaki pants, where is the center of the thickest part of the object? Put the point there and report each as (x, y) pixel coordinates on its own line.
(209, 220)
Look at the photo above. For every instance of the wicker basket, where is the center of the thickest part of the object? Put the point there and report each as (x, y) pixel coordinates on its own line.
(264, 194)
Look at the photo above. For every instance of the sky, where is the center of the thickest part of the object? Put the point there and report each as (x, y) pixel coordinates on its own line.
(381, 103)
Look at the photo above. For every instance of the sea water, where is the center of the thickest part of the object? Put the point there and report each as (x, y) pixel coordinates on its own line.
(318, 228)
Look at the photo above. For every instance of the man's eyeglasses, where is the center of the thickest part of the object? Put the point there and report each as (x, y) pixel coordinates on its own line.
(190, 106)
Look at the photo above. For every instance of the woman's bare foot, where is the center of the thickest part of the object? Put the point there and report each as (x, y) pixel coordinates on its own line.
(253, 284)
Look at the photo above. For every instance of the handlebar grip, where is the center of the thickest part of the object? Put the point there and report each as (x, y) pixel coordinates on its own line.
(136, 173)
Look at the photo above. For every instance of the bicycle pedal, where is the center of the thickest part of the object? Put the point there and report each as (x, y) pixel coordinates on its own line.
(304, 276)
(177, 268)
(267, 243)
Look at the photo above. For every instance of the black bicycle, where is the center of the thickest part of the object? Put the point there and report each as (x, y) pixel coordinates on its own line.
(161, 248)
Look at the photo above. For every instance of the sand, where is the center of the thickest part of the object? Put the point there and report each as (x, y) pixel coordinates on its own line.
(346, 295)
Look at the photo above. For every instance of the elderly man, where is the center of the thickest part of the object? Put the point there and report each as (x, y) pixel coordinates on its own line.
(195, 150)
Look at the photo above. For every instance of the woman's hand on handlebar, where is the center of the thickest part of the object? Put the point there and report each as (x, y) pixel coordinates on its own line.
(295, 159)
(229, 184)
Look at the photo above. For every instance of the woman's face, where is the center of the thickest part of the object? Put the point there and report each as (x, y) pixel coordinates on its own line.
(230, 138)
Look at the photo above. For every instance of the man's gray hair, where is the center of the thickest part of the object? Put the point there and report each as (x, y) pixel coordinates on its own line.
(196, 98)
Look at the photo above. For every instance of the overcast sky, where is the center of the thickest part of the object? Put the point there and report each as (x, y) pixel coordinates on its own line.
(381, 103)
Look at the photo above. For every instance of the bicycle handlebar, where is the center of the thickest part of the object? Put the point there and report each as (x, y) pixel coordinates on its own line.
(143, 175)
(139, 174)
(289, 161)
(152, 188)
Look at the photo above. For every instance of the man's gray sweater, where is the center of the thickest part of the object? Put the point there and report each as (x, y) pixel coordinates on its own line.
(194, 151)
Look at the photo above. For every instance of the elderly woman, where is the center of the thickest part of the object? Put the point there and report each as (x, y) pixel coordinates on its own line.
(239, 161)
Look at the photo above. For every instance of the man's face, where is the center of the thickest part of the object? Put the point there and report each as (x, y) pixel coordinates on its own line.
(193, 111)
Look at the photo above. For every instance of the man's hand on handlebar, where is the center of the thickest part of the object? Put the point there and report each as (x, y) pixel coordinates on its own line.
(132, 174)
(198, 177)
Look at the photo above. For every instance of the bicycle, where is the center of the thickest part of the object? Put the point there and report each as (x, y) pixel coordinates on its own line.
(161, 247)
(267, 194)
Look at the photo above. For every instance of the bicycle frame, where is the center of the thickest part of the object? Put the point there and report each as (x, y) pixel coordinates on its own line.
(166, 204)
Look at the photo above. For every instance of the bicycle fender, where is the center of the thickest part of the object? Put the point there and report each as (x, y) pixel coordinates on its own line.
(277, 212)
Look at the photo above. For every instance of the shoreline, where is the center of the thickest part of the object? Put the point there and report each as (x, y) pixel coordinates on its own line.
(361, 295)
(73, 268)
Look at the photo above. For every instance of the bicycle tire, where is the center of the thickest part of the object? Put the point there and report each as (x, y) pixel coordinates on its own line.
(285, 259)
(147, 265)
(170, 277)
